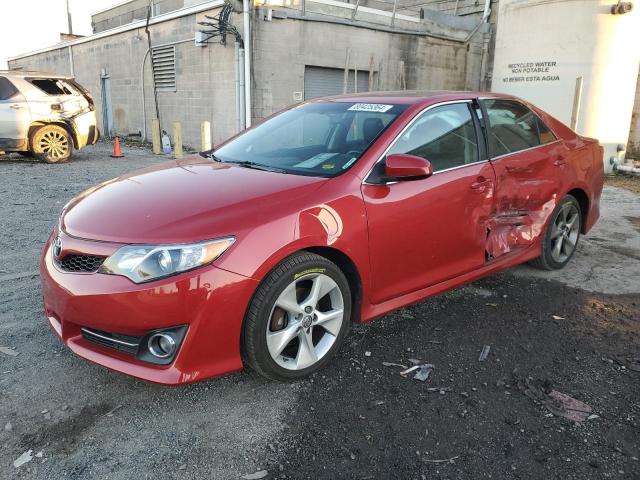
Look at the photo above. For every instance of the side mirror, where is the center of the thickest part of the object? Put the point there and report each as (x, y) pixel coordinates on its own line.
(402, 166)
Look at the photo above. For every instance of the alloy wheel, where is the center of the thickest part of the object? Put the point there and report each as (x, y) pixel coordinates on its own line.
(54, 144)
(565, 232)
(305, 321)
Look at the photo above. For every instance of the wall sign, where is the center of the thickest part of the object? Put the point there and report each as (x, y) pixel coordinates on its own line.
(532, 72)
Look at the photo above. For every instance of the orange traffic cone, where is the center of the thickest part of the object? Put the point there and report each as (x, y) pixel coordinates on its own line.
(116, 148)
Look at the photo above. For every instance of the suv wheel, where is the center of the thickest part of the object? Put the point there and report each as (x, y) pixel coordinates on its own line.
(52, 144)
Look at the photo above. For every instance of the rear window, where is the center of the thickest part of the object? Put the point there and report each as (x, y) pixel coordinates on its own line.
(513, 127)
(51, 86)
(7, 89)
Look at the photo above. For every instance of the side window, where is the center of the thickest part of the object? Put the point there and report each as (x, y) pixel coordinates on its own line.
(7, 89)
(546, 135)
(51, 86)
(512, 126)
(443, 135)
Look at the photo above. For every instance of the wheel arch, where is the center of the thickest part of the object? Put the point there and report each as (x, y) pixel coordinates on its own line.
(583, 201)
(350, 270)
(58, 123)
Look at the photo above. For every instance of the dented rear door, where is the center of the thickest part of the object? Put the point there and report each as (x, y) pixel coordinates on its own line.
(528, 161)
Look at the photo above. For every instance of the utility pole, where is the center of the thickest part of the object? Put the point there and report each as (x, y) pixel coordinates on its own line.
(69, 19)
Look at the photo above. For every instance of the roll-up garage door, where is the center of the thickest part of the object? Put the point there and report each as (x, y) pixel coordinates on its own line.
(321, 81)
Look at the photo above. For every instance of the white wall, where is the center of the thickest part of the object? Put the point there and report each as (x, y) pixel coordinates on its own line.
(566, 39)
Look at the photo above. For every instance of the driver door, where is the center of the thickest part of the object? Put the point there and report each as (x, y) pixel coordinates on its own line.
(423, 232)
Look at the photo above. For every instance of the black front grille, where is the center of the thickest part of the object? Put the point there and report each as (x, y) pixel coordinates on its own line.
(80, 263)
(124, 343)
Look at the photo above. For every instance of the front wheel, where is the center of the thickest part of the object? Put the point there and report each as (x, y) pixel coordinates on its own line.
(298, 318)
(561, 237)
(52, 144)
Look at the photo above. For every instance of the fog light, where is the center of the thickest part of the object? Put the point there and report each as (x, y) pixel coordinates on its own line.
(161, 345)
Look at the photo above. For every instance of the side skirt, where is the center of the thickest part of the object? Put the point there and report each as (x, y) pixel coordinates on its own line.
(372, 312)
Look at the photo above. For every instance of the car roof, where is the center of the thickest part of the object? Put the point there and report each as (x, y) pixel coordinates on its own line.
(409, 97)
(32, 73)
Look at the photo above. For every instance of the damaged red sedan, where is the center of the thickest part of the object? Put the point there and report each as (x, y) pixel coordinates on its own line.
(338, 210)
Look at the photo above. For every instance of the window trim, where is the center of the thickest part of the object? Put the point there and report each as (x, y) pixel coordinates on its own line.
(488, 127)
(409, 125)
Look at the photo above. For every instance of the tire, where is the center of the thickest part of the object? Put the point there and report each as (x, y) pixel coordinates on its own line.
(52, 144)
(269, 328)
(564, 227)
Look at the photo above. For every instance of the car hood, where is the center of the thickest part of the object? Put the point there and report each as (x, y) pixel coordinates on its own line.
(183, 201)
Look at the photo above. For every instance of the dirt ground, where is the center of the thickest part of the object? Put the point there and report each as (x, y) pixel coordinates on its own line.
(630, 182)
(576, 331)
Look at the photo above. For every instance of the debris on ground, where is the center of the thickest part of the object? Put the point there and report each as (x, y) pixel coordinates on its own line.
(110, 412)
(484, 353)
(628, 363)
(367, 353)
(443, 460)
(558, 403)
(8, 351)
(40, 454)
(557, 317)
(8, 427)
(391, 364)
(440, 390)
(255, 476)
(26, 457)
(375, 403)
(422, 371)
(491, 304)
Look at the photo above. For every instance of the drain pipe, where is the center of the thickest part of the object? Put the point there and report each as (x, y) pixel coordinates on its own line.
(239, 84)
(71, 60)
(246, 27)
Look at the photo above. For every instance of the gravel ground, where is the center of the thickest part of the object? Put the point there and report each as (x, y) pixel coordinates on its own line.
(357, 418)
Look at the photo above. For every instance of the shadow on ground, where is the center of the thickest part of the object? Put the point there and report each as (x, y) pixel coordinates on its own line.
(360, 419)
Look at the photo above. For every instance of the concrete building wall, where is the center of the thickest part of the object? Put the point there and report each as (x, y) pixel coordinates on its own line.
(602, 48)
(125, 13)
(205, 76)
(283, 48)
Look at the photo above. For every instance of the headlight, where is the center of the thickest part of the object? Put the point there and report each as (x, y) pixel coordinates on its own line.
(143, 263)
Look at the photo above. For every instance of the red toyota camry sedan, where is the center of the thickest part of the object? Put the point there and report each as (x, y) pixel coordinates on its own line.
(338, 210)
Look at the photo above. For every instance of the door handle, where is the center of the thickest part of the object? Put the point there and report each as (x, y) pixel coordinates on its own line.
(15, 106)
(560, 161)
(480, 184)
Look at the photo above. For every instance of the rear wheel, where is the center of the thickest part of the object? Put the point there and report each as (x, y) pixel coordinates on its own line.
(52, 144)
(298, 318)
(561, 237)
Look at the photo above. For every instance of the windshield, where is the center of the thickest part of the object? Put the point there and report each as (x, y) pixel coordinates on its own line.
(318, 139)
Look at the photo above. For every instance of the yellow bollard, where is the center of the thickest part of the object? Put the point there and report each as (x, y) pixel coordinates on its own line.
(155, 136)
(177, 139)
(206, 136)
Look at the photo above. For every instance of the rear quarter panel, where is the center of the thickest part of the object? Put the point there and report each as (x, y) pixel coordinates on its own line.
(585, 170)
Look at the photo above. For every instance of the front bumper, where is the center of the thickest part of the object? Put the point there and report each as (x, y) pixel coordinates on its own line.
(210, 301)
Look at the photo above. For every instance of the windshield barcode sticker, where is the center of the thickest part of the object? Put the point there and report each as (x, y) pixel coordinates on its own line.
(370, 107)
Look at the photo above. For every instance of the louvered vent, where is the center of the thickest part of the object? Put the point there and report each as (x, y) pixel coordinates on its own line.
(164, 68)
